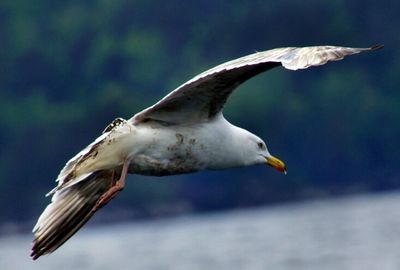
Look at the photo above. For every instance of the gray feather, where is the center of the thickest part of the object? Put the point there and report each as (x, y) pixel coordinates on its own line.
(69, 210)
(204, 96)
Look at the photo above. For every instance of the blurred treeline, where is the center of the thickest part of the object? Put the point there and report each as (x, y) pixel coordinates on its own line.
(68, 68)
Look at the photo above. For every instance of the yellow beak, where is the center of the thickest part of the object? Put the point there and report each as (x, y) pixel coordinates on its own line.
(276, 163)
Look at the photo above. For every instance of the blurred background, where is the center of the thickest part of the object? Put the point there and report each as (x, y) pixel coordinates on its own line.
(68, 68)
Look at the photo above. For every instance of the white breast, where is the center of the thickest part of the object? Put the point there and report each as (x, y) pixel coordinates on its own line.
(170, 150)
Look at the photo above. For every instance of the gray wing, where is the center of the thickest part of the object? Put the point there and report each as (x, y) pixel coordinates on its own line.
(69, 210)
(204, 96)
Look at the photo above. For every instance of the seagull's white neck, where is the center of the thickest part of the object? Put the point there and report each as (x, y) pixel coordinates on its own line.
(230, 146)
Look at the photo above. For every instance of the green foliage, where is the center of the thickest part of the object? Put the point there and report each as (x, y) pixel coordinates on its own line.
(67, 68)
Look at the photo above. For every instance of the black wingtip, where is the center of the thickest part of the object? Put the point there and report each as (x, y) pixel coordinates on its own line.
(376, 47)
(34, 256)
(68, 212)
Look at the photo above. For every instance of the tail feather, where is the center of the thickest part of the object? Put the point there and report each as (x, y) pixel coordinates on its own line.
(69, 210)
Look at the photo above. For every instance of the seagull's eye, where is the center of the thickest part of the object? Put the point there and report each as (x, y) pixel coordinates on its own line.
(260, 145)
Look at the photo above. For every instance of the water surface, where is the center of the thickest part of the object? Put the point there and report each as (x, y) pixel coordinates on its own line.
(361, 232)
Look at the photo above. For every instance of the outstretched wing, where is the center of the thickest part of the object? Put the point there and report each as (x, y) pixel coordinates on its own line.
(83, 184)
(69, 210)
(202, 97)
(91, 158)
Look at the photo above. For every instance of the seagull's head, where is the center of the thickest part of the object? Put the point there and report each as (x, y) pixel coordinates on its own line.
(259, 148)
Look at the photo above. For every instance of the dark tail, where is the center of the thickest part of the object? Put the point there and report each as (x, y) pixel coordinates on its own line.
(69, 210)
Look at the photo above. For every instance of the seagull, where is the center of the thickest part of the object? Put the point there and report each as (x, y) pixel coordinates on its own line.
(183, 132)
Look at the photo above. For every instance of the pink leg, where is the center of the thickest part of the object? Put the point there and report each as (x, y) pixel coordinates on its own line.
(117, 187)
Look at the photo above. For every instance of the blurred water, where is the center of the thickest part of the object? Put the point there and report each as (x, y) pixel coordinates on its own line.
(360, 232)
